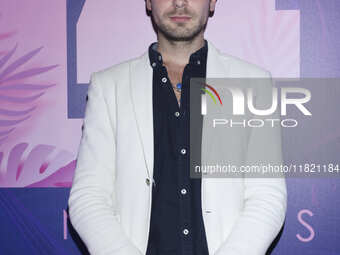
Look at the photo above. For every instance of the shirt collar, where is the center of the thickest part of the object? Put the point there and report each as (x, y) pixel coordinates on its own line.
(198, 57)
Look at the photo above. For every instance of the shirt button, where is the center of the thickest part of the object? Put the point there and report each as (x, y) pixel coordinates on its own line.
(183, 191)
(185, 231)
(198, 62)
(176, 114)
(147, 180)
(164, 80)
(183, 151)
(159, 57)
(153, 64)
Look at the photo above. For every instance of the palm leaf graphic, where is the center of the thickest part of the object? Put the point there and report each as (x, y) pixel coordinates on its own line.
(15, 109)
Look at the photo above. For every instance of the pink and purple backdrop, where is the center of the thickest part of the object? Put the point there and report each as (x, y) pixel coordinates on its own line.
(48, 50)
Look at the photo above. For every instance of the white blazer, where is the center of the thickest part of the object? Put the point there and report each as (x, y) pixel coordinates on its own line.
(110, 199)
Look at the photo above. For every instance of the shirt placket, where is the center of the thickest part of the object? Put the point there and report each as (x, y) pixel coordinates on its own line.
(183, 170)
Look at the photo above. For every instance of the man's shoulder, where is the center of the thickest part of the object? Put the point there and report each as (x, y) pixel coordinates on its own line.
(244, 67)
(119, 70)
(238, 66)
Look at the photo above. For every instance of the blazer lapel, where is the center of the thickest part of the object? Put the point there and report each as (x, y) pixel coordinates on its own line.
(216, 67)
(141, 92)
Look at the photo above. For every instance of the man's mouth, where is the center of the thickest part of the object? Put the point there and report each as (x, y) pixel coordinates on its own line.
(180, 18)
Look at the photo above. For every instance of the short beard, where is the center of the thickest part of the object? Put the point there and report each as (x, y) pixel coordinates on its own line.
(171, 36)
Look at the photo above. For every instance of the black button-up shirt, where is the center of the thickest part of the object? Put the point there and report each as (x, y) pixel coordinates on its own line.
(176, 225)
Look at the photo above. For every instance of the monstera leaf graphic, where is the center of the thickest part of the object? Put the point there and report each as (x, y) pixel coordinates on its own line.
(17, 97)
(42, 166)
(23, 166)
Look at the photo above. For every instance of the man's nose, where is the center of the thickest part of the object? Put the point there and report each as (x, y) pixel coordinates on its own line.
(179, 3)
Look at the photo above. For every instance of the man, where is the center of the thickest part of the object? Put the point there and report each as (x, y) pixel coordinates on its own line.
(132, 193)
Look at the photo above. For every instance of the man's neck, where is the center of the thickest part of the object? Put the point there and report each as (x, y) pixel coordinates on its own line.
(178, 52)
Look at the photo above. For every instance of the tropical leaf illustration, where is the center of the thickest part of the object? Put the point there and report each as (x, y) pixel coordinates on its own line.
(17, 96)
(42, 166)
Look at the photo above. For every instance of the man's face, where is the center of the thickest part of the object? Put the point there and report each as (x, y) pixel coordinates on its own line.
(180, 20)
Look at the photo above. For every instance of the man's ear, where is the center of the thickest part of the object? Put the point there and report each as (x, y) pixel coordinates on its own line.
(148, 5)
(212, 5)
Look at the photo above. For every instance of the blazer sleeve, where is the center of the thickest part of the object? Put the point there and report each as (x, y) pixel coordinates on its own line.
(265, 196)
(91, 210)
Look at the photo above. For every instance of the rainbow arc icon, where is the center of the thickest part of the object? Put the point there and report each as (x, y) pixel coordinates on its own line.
(209, 90)
(211, 94)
